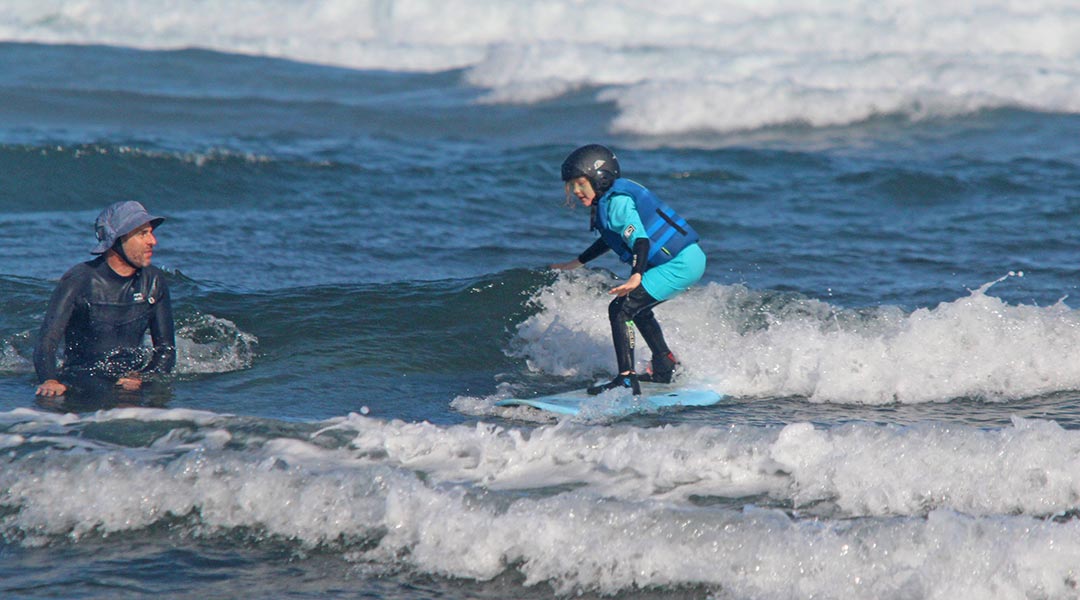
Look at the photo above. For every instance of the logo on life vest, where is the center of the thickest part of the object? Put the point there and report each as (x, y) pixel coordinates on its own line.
(138, 297)
(629, 231)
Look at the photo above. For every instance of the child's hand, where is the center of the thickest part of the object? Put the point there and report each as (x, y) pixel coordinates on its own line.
(567, 266)
(631, 284)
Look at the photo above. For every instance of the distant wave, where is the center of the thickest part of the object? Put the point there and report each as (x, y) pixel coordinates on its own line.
(669, 68)
(139, 172)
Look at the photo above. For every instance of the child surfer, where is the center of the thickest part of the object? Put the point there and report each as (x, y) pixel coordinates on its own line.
(659, 245)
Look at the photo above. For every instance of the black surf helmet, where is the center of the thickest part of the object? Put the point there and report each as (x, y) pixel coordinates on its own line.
(593, 162)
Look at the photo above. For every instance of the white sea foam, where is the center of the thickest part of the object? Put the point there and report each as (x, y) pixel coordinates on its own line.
(751, 554)
(857, 470)
(669, 68)
(927, 511)
(209, 344)
(750, 343)
(10, 357)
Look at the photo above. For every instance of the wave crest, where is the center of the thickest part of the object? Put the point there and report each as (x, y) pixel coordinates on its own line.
(768, 344)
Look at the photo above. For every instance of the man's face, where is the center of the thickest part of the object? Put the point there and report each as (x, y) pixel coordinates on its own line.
(139, 246)
(580, 187)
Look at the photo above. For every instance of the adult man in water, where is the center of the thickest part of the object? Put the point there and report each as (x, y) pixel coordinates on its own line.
(102, 309)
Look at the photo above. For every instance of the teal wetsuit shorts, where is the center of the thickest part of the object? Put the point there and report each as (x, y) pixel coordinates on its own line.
(676, 275)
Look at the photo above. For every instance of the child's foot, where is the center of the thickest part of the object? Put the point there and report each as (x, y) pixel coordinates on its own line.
(630, 380)
(662, 370)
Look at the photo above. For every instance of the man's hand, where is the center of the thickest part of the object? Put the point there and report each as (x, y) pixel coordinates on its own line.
(51, 388)
(130, 382)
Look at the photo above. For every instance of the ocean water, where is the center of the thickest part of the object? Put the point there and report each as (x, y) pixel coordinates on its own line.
(362, 198)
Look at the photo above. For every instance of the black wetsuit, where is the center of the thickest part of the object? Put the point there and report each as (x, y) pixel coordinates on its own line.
(103, 317)
(635, 307)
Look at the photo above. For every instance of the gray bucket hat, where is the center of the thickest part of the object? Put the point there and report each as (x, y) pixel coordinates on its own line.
(119, 219)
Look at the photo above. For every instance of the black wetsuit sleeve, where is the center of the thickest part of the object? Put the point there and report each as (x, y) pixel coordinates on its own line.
(162, 334)
(641, 256)
(598, 248)
(61, 305)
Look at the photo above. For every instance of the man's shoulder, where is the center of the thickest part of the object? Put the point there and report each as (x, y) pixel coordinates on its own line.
(150, 272)
(80, 271)
(155, 282)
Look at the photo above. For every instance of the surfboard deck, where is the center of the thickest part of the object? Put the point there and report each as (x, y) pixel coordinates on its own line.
(618, 403)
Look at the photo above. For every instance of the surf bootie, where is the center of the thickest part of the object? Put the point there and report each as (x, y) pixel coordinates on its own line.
(630, 380)
(662, 370)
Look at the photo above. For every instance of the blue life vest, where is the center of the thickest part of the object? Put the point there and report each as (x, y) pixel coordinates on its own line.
(668, 232)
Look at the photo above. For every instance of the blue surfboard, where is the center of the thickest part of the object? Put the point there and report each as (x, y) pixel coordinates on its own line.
(618, 403)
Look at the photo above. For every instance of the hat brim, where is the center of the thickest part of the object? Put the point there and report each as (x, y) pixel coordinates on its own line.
(103, 246)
